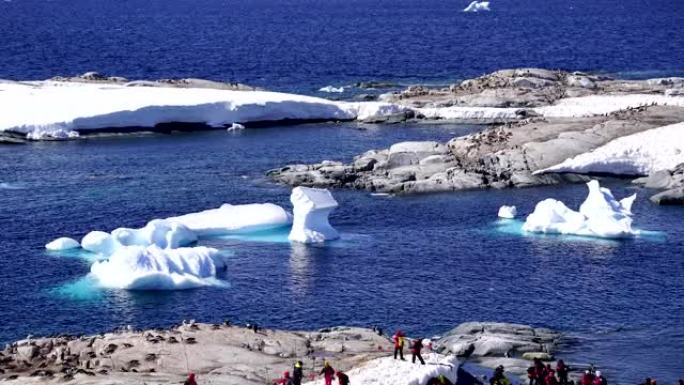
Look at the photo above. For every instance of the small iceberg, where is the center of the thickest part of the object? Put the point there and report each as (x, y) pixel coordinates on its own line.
(477, 6)
(507, 212)
(331, 89)
(600, 215)
(63, 243)
(154, 268)
(312, 207)
(236, 127)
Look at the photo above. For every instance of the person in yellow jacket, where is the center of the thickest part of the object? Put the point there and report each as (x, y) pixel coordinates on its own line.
(398, 339)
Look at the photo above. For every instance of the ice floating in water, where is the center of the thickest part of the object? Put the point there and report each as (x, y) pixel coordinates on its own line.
(331, 89)
(10, 186)
(235, 218)
(311, 209)
(508, 212)
(163, 233)
(99, 242)
(63, 243)
(601, 215)
(154, 268)
(477, 6)
(387, 371)
(236, 127)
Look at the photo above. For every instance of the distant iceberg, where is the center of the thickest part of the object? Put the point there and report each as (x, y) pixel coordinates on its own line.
(477, 6)
(600, 215)
(63, 243)
(331, 89)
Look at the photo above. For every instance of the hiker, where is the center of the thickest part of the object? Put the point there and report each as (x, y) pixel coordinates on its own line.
(540, 372)
(415, 351)
(342, 379)
(285, 379)
(190, 380)
(328, 373)
(550, 376)
(532, 375)
(439, 380)
(498, 378)
(398, 339)
(587, 378)
(562, 371)
(297, 373)
(600, 380)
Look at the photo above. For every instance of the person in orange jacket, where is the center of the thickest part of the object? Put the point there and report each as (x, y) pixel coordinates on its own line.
(398, 339)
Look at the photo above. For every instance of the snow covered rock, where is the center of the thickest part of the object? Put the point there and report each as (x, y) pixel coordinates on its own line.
(600, 215)
(154, 268)
(477, 6)
(643, 153)
(312, 207)
(388, 371)
(63, 243)
(235, 219)
(508, 212)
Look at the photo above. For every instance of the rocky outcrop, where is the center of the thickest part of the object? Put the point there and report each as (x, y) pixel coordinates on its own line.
(504, 155)
(671, 182)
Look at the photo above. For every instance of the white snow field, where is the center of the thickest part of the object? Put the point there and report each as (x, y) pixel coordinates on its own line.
(312, 206)
(65, 110)
(642, 153)
(600, 215)
(477, 6)
(63, 243)
(154, 268)
(388, 371)
(507, 212)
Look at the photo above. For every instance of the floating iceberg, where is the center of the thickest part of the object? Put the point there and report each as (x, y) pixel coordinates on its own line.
(165, 234)
(63, 243)
(229, 219)
(154, 268)
(312, 207)
(477, 6)
(331, 89)
(388, 371)
(508, 212)
(600, 215)
(643, 153)
(99, 242)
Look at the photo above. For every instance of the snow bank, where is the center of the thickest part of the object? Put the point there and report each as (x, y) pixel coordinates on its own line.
(600, 215)
(63, 243)
(66, 108)
(154, 268)
(477, 6)
(312, 207)
(331, 89)
(643, 153)
(508, 212)
(235, 219)
(604, 104)
(388, 371)
(469, 113)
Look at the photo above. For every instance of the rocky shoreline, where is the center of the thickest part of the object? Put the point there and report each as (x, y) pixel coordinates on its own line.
(227, 354)
(505, 154)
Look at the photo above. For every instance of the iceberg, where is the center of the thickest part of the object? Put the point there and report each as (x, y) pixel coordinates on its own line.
(477, 6)
(600, 215)
(508, 212)
(63, 243)
(229, 219)
(642, 153)
(312, 207)
(154, 268)
(98, 242)
(331, 89)
(388, 371)
(162, 233)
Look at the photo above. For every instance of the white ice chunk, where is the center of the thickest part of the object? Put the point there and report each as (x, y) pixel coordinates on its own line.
(642, 153)
(159, 232)
(477, 6)
(600, 215)
(63, 243)
(331, 89)
(153, 268)
(388, 371)
(99, 242)
(235, 219)
(312, 207)
(508, 212)
(236, 127)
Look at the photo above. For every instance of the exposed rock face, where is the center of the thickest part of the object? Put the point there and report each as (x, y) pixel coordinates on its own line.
(504, 155)
(671, 181)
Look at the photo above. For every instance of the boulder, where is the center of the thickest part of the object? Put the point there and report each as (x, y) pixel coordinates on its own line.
(673, 197)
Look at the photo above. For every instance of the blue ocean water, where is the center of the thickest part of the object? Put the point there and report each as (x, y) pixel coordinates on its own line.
(423, 263)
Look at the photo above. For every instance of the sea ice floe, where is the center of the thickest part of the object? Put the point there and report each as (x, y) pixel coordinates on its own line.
(508, 212)
(642, 153)
(154, 268)
(63, 243)
(312, 207)
(600, 215)
(477, 6)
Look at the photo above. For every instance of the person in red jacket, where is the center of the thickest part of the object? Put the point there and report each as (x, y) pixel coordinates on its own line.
(532, 375)
(550, 376)
(190, 380)
(600, 380)
(415, 351)
(328, 373)
(285, 379)
(562, 371)
(587, 378)
(342, 379)
(398, 339)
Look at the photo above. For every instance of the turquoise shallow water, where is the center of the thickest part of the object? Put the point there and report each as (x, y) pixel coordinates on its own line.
(423, 263)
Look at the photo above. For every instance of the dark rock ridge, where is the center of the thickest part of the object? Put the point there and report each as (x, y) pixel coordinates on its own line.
(503, 155)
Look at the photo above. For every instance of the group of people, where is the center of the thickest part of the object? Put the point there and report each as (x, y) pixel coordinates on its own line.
(327, 372)
(399, 340)
(540, 374)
